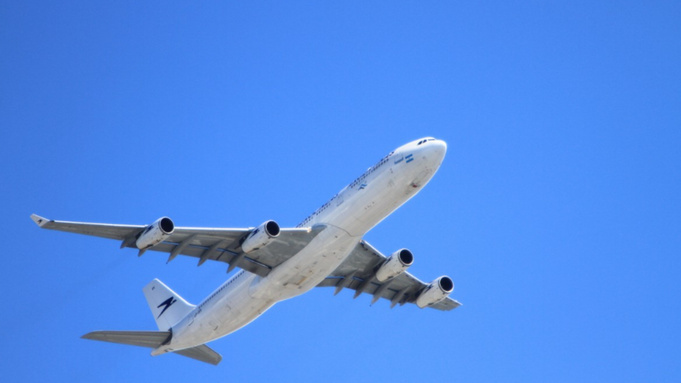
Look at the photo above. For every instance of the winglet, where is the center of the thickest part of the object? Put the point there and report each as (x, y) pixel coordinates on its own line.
(40, 221)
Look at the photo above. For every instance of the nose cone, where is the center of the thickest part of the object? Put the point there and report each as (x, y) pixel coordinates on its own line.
(440, 147)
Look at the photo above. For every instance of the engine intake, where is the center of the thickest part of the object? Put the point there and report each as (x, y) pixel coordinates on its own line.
(261, 236)
(436, 291)
(395, 265)
(155, 233)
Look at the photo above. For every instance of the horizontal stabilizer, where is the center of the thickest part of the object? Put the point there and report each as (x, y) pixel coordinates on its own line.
(152, 339)
(201, 353)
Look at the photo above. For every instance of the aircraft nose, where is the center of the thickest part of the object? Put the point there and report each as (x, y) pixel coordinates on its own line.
(439, 149)
(440, 145)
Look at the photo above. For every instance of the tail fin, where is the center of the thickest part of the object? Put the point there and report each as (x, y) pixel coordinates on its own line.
(167, 307)
(154, 339)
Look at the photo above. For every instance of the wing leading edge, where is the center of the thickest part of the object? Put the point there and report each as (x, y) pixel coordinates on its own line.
(357, 273)
(216, 244)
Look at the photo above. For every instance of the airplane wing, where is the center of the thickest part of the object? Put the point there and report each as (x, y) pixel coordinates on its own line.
(357, 273)
(216, 244)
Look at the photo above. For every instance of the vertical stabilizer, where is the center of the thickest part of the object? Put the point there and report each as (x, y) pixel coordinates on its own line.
(167, 306)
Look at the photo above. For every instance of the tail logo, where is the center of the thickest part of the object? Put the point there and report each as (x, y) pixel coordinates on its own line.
(167, 303)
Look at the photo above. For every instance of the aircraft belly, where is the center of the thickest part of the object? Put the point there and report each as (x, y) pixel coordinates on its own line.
(253, 295)
(309, 267)
(225, 316)
(366, 208)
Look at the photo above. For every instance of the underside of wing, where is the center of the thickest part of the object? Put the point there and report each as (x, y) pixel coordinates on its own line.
(358, 272)
(224, 245)
(214, 244)
(103, 230)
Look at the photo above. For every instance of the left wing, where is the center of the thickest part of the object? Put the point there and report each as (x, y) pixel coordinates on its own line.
(217, 244)
(358, 271)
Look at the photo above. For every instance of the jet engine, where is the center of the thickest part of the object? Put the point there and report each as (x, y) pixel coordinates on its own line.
(261, 236)
(155, 233)
(395, 265)
(436, 291)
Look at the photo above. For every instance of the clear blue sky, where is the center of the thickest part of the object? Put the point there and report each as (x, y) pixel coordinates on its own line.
(556, 212)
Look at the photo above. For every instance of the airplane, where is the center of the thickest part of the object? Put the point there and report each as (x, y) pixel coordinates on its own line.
(325, 249)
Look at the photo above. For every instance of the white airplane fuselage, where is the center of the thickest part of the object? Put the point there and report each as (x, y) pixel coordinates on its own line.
(347, 217)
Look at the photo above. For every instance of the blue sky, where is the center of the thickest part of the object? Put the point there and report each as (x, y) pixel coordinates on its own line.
(556, 211)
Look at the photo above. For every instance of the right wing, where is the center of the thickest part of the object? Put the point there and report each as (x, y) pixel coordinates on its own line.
(217, 244)
(358, 272)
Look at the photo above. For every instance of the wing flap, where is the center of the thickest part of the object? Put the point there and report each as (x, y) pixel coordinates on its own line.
(446, 304)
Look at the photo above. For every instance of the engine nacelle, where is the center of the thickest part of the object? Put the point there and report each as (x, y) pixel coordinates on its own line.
(436, 291)
(261, 236)
(395, 265)
(155, 233)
